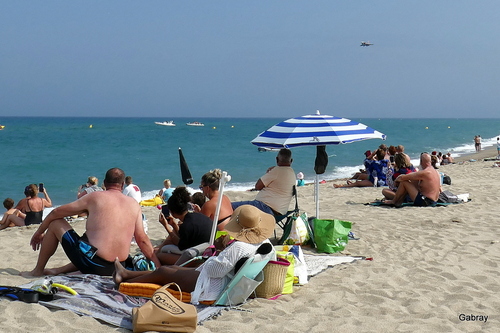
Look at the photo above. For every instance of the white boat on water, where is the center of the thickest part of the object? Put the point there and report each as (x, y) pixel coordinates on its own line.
(165, 123)
(195, 123)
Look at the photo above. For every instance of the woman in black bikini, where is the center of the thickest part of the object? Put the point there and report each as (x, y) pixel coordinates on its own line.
(32, 205)
(210, 188)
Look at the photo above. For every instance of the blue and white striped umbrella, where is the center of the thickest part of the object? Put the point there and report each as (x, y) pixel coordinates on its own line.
(315, 130)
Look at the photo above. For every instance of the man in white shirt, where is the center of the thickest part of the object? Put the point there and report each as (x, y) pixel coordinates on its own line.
(132, 190)
(276, 186)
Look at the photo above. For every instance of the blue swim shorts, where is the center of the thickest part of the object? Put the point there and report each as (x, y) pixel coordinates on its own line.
(83, 255)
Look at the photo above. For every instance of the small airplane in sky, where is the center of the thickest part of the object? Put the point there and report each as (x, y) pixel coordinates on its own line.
(366, 43)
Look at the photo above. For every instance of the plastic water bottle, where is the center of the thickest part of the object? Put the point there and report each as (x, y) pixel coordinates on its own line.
(375, 181)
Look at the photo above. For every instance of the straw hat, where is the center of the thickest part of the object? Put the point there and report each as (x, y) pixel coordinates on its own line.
(250, 225)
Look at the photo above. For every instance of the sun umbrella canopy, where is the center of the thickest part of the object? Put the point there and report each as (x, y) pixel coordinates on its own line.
(315, 130)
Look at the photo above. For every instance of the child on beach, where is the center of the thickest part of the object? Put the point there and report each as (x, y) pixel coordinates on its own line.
(12, 217)
(300, 179)
(167, 190)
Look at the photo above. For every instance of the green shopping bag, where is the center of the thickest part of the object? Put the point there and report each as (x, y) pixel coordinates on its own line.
(331, 235)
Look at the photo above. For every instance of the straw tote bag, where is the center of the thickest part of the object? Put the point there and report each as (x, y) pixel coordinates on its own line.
(274, 279)
(165, 313)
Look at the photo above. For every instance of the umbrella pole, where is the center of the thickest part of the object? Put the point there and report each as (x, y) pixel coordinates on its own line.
(222, 182)
(316, 195)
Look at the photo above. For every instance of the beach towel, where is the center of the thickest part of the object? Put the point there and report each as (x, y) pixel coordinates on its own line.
(318, 263)
(98, 298)
(404, 204)
(410, 204)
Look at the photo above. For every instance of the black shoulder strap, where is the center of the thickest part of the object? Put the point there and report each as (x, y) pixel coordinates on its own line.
(296, 199)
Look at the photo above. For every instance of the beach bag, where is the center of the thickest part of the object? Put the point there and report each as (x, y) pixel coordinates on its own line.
(290, 272)
(297, 232)
(165, 313)
(242, 290)
(274, 278)
(298, 269)
(331, 236)
(447, 197)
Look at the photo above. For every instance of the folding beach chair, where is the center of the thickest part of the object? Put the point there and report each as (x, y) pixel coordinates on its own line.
(283, 220)
(244, 282)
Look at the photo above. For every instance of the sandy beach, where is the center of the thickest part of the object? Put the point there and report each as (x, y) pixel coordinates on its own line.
(431, 267)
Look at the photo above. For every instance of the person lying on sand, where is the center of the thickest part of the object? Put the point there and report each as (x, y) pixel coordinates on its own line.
(249, 226)
(423, 187)
(113, 219)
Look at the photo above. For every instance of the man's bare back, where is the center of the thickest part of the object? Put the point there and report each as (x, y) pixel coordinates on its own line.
(112, 220)
(429, 183)
(108, 212)
(424, 183)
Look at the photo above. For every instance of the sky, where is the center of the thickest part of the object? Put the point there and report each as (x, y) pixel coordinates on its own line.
(250, 58)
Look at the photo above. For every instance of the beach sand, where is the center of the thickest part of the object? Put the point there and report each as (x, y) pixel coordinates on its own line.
(430, 265)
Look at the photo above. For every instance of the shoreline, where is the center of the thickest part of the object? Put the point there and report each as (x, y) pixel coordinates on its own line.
(488, 152)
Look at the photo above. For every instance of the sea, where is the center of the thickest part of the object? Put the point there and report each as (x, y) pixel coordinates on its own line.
(62, 152)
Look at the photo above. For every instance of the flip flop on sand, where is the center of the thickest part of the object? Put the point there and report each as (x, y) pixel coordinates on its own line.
(352, 236)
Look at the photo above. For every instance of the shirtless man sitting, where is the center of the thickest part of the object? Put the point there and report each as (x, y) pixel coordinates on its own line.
(423, 187)
(113, 219)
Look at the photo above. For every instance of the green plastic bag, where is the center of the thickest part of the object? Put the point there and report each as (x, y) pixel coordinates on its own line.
(331, 235)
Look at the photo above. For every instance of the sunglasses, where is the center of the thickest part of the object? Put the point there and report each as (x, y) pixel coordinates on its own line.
(202, 186)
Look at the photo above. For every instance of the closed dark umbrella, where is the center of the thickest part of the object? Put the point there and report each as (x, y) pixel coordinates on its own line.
(187, 179)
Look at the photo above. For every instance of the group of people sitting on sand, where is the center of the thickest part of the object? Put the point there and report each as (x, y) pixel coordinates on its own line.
(113, 219)
(28, 210)
(438, 158)
(379, 164)
(405, 183)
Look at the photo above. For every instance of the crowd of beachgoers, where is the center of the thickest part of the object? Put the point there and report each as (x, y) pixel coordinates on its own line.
(410, 229)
